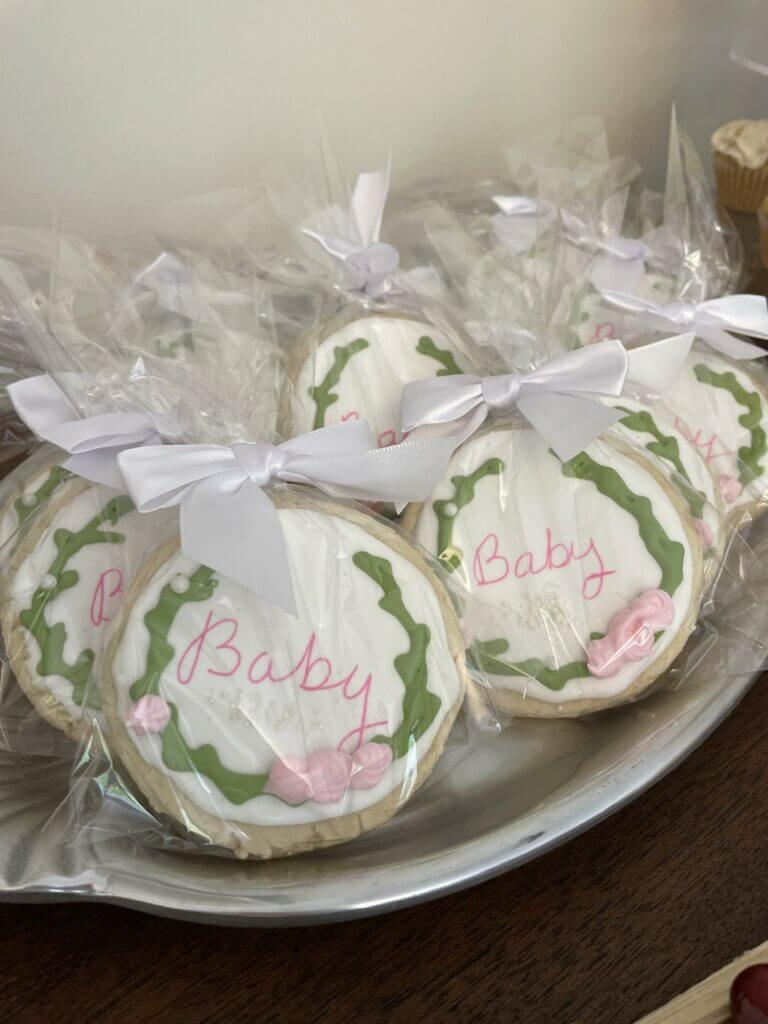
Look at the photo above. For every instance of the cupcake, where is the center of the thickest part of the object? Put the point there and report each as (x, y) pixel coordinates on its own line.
(740, 150)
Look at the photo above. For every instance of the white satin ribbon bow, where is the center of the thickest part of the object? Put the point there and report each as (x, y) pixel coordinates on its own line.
(560, 399)
(712, 320)
(93, 442)
(227, 522)
(353, 238)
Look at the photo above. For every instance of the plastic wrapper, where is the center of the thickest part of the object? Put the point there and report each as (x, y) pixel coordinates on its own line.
(362, 322)
(599, 578)
(204, 716)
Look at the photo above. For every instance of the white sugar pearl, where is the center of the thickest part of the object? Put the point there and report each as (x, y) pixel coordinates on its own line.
(48, 582)
(179, 584)
(451, 509)
(28, 499)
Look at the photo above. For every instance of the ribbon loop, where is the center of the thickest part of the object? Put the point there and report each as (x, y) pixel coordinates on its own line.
(714, 321)
(354, 242)
(93, 442)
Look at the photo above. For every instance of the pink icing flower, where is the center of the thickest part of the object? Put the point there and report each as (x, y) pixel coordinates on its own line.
(729, 488)
(328, 773)
(602, 657)
(288, 780)
(704, 531)
(630, 635)
(369, 764)
(149, 714)
(705, 534)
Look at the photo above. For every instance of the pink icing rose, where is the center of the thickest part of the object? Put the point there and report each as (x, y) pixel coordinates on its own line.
(369, 764)
(729, 488)
(149, 714)
(602, 657)
(630, 635)
(288, 780)
(704, 531)
(328, 773)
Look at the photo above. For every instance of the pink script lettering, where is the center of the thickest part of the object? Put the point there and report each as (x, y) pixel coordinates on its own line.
(490, 565)
(106, 596)
(312, 672)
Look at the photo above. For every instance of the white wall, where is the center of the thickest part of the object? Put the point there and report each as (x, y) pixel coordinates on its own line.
(109, 107)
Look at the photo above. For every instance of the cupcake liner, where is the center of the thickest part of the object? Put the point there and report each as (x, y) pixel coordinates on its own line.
(740, 188)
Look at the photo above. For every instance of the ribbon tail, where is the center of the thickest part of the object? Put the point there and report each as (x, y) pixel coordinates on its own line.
(728, 345)
(566, 422)
(657, 365)
(235, 529)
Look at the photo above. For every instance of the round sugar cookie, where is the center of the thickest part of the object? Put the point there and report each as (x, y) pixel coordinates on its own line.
(64, 581)
(682, 464)
(723, 409)
(359, 367)
(270, 734)
(587, 575)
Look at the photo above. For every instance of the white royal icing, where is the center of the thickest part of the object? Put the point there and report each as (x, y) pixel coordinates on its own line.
(709, 416)
(352, 641)
(547, 606)
(104, 572)
(372, 382)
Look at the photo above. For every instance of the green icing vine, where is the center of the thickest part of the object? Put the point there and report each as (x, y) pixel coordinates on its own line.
(750, 455)
(159, 621)
(322, 394)
(427, 347)
(667, 448)
(667, 553)
(178, 756)
(419, 705)
(43, 494)
(484, 656)
(50, 639)
(464, 492)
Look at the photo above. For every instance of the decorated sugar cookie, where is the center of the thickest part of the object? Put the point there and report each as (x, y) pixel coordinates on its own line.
(682, 464)
(270, 734)
(359, 370)
(64, 581)
(587, 574)
(723, 409)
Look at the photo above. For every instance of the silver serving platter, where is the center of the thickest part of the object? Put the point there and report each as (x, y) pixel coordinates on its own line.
(495, 801)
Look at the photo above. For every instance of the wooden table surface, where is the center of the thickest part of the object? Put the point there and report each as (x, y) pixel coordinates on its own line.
(599, 931)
